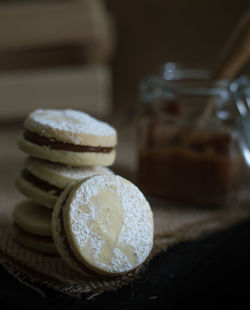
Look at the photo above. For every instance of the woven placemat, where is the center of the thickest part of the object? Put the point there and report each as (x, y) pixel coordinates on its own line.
(172, 225)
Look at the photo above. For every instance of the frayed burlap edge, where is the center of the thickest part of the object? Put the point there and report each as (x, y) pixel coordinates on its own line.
(36, 281)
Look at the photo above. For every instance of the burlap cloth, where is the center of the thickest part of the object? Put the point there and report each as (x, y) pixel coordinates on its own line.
(172, 225)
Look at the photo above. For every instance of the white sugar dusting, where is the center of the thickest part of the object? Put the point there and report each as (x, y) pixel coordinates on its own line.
(119, 260)
(136, 234)
(83, 223)
(72, 121)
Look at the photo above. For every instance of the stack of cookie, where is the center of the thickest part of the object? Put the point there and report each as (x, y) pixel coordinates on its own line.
(64, 146)
(101, 223)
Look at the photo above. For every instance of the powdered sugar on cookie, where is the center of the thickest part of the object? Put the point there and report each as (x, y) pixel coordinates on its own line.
(72, 121)
(112, 223)
(68, 125)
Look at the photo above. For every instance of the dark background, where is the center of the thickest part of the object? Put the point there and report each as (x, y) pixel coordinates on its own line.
(151, 32)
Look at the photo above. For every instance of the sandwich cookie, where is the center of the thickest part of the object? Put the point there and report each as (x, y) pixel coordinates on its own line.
(33, 227)
(44, 181)
(69, 137)
(103, 226)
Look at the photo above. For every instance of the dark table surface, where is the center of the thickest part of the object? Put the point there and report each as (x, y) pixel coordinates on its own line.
(211, 273)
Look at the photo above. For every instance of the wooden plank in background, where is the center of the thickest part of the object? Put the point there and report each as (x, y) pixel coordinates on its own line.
(43, 58)
(40, 24)
(86, 88)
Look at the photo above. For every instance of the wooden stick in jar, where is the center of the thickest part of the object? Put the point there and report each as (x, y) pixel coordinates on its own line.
(233, 57)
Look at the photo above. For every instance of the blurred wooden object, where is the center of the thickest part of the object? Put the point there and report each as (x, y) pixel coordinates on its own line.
(236, 52)
(85, 88)
(55, 54)
(233, 57)
(28, 25)
(42, 58)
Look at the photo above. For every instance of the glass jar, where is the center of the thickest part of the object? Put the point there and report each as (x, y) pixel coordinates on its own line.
(188, 146)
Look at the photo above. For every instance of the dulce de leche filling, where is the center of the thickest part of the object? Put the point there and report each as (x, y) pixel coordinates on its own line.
(198, 167)
(58, 145)
(40, 183)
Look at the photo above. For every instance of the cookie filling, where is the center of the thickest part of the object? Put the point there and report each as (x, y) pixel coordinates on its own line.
(45, 186)
(58, 145)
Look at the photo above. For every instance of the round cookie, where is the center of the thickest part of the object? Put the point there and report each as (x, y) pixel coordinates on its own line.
(33, 227)
(103, 226)
(69, 137)
(44, 181)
